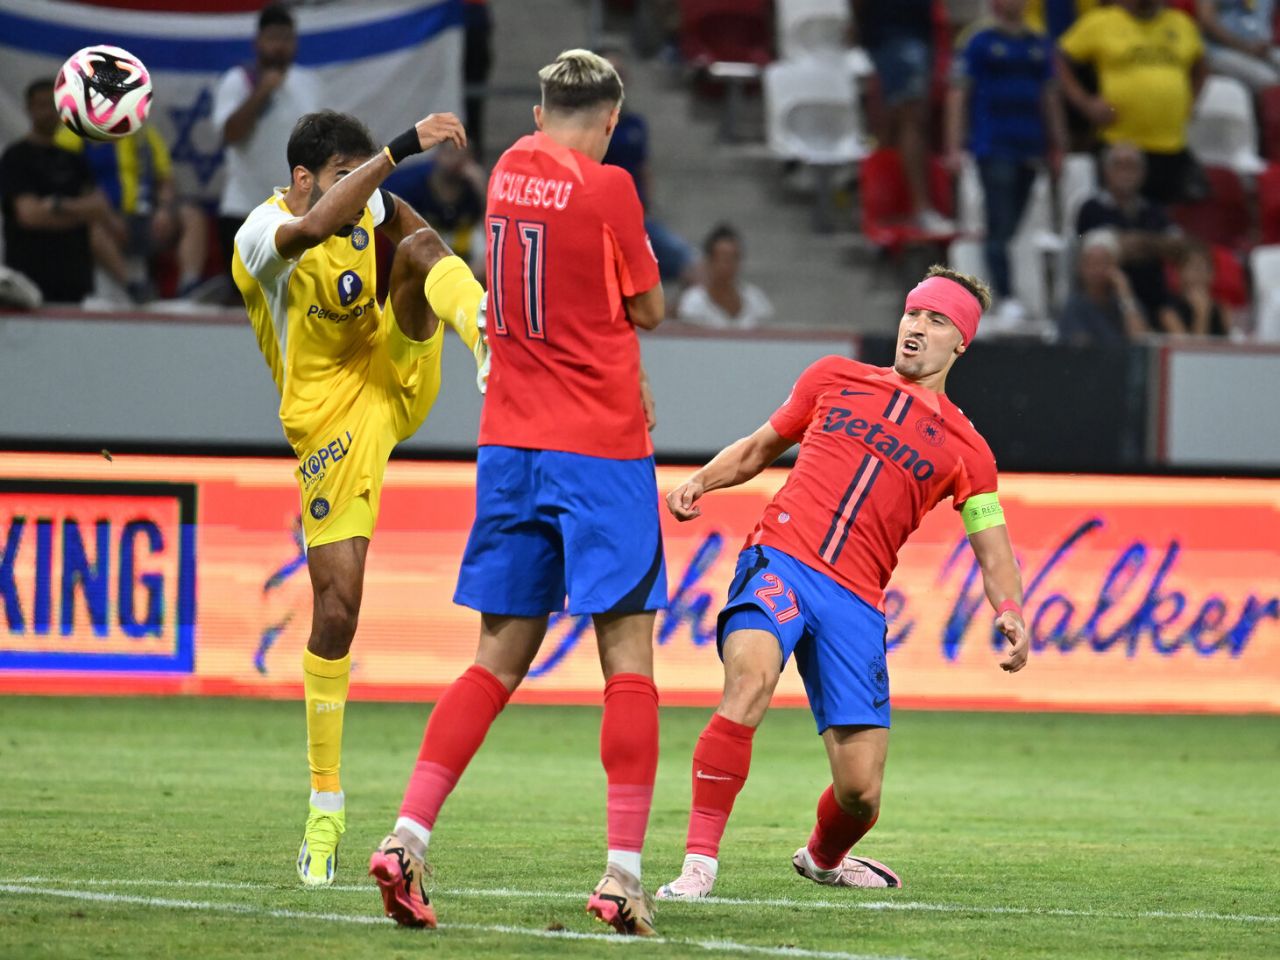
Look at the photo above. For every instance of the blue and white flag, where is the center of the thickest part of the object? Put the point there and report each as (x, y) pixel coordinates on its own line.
(388, 63)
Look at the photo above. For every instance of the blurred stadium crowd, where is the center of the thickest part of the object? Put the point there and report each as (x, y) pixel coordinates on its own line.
(1113, 169)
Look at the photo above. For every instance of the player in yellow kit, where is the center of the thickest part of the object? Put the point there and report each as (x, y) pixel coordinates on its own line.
(354, 380)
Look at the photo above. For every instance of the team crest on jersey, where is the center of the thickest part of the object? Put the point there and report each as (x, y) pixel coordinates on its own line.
(359, 238)
(349, 287)
(931, 429)
(319, 508)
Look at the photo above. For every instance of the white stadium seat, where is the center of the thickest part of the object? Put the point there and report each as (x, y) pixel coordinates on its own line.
(1264, 265)
(808, 27)
(811, 113)
(1223, 130)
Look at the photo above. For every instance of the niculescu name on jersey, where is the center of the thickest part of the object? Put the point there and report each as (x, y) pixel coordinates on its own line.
(525, 191)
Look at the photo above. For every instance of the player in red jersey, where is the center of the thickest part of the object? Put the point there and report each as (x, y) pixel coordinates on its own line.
(879, 448)
(566, 496)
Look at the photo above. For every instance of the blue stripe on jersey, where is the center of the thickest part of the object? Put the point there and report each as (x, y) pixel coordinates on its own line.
(201, 54)
(853, 514)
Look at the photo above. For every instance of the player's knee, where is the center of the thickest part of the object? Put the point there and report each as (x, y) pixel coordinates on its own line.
(747, 695)
(423, 249)
(334, 622)
(858, 799)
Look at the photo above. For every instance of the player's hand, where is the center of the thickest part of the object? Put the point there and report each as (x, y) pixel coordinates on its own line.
(683, 500)
(1099, 112)
(647, 402)
(1015, 631)
(439, 127)
(269, 80)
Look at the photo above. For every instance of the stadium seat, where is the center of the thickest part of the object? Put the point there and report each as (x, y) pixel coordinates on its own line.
(1269, 112)
(886, 203)
(725, 30)
(1078, 180)
(1230, 284)
(1223, 131)
(1269, 204)
(812, 27)
(1186, 6)
(811, 113)
(1264, 266)
(1222, 219)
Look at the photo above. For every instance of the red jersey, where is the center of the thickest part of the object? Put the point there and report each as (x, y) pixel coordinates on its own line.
(877, 452)
(566, 243)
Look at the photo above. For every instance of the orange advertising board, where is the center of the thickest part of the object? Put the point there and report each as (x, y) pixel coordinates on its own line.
(186, 575)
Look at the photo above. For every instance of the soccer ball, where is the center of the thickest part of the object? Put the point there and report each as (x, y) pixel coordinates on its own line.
(103, 93)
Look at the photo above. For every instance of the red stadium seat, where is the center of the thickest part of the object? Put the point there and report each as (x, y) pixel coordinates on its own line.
(1222, 219)
(1230, 282)
(1186, 6)
(739, 31)
(886, 203)
(1269, 123)
(1269, 205)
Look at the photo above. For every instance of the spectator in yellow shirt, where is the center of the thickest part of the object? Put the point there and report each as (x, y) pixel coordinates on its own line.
(1150, 66)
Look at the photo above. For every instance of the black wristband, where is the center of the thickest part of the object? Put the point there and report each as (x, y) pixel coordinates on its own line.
(404, 145)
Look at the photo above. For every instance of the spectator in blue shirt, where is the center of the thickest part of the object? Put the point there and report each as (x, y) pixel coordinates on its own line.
(629, 149)
(1004, 106)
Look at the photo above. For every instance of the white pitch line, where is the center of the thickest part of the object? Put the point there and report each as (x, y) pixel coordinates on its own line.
(249, 910)
(508, 892)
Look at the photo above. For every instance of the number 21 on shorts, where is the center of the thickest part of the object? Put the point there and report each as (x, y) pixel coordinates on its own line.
(776, 588)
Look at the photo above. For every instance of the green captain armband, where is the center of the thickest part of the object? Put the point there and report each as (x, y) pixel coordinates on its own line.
(982, 512)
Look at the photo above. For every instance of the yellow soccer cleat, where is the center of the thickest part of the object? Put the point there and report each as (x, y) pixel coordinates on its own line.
(318, 857)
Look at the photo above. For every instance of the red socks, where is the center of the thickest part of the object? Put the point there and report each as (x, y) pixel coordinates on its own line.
(456, 729)
(629, 752)
(836, 832)
(720, 764)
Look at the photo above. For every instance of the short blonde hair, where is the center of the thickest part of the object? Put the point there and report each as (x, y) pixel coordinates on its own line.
(579, 80)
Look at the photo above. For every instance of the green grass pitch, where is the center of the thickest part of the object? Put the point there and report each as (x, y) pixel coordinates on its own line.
(1017, 836)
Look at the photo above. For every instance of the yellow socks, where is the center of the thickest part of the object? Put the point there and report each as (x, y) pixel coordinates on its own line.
(454, 294)
(325, 683)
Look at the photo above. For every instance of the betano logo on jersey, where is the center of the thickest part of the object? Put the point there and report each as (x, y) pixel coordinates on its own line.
(97, 576)
(877, 436)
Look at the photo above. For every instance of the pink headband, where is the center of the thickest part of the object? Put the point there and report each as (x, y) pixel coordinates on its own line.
(951, 300)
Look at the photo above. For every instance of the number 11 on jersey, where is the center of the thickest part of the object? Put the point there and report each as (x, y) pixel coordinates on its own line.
(531, 235)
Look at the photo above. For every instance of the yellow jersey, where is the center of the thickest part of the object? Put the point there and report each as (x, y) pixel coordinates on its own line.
(1144, 72)
(316, 317)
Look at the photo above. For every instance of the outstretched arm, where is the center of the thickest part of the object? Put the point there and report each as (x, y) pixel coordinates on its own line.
(1002, 582)
(735, 464)
(348, 196)
(401, 221)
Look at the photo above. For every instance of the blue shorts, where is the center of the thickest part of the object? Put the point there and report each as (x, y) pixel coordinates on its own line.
(837, 637)
(550, 524)
(903, 64)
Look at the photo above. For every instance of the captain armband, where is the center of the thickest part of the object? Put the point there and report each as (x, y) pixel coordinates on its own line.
(981, 512)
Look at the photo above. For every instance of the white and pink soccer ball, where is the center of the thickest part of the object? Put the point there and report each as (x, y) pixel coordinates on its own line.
(103, 93)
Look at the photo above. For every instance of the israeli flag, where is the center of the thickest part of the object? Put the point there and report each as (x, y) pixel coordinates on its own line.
(387, 63)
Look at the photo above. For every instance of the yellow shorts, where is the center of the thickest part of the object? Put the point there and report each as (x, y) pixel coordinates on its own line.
(340, 467)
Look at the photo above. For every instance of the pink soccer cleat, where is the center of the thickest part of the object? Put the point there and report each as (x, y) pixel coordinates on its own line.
(399, 875)
(694, 883)
(852, 872)
(621, 902)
